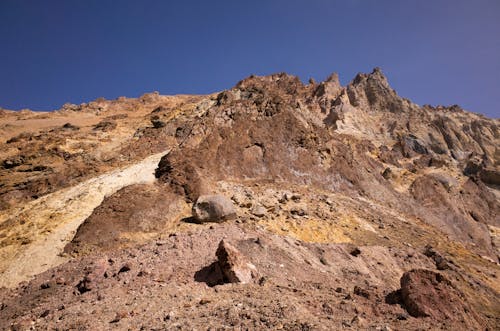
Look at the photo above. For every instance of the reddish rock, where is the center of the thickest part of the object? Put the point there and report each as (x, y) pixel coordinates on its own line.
(425, 293)
(234, 266)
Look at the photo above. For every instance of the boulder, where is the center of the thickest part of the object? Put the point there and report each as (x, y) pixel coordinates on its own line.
(425, 293)
(411, 146)
(234, 266)
(213, 208)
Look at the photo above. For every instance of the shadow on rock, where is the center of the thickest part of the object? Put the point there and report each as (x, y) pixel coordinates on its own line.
(394, 298)
(211, 275)
(190, 219)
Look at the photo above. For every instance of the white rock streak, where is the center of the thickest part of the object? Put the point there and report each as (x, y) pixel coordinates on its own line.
(66, 209)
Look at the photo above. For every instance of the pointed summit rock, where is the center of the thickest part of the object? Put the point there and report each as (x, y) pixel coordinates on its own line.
(330, 88)
(373, 92)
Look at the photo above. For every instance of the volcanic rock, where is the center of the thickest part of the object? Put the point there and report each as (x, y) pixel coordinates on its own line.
(426, 293)
(234, 266)
(213, 208)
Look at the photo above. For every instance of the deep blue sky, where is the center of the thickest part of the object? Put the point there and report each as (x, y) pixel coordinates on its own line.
(436, 51)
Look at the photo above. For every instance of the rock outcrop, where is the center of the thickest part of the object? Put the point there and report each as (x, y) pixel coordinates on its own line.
(342, 139)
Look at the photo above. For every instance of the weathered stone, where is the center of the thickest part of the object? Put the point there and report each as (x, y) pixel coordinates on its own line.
(213, 208)
(13, 162)
(299, 210)
(234, 266)
(441, 262)
(361, 292)
(425, 293)
(157, 122)
(259, 211)
(411, 146)
(105, 126)
(388, 174)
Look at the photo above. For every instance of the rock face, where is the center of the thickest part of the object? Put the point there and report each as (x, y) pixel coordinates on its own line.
(213, 208)
(342, 139)
(234, 266)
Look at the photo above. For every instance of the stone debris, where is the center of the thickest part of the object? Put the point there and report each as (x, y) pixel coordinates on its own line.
(95, 274)
(259, 211)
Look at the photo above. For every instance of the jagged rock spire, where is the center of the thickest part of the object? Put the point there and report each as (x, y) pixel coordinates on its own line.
(373, 92)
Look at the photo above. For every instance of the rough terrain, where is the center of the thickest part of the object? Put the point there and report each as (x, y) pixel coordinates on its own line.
(272, 205)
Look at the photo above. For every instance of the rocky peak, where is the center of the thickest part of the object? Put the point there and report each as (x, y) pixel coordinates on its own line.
(333, 78)
(287, 84)
(373, 92)
(330, 88)
(376, 76)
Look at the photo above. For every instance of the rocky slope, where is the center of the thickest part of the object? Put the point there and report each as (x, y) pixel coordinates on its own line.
(339, 206)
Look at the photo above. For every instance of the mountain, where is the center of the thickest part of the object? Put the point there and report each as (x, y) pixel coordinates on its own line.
(271, 205)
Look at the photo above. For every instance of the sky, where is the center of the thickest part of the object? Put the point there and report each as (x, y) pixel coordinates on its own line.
(438, 52)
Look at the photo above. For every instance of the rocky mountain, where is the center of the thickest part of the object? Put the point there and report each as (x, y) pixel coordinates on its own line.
(271, 205)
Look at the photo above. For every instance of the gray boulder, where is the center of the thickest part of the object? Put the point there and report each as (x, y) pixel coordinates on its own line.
(213, 208)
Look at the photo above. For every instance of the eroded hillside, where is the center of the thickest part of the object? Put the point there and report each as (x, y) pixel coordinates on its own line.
(355, 208)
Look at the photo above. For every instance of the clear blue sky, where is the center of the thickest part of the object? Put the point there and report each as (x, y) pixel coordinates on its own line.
(435, 51)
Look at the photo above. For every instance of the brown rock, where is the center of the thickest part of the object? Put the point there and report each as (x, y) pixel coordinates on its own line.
(259, 211)
(361, 292)
(105, 126)
(157, 122)
(441, 262)
(490, 175)
(13, 162)
(425, 293)
(234, 266)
